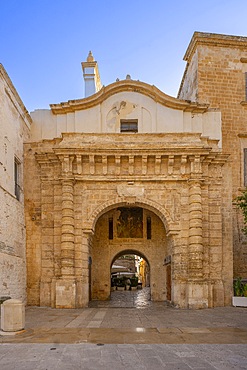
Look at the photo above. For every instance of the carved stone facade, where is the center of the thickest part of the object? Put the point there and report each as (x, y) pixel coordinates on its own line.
(83, 179)
(86, 171)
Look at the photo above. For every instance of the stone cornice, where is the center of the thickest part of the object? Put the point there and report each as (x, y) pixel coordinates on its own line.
(130, 144)
(89, 64)
(128, 86)
(213, 39)
(14, 97)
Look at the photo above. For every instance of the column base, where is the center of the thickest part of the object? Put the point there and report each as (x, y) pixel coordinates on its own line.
(218, 294)
(68, 292)
(197, 294)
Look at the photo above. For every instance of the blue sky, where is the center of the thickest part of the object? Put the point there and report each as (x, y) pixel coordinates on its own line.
(43, 42)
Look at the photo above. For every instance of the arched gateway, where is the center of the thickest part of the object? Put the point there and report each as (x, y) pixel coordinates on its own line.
(129, 227)
(128, 168)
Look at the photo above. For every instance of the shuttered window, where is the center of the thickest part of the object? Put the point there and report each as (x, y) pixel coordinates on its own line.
(129, 125)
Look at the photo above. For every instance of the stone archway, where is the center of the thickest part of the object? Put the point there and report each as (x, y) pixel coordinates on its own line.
(119, 201)
(130, 264)
(109, 241)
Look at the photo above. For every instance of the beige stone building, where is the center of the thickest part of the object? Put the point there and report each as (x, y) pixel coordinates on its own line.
(216, 74)
(14, 130)
(129, 169)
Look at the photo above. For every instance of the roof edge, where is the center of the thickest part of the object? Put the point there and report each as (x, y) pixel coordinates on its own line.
(215, 39)
(26, 116)
(132, 86)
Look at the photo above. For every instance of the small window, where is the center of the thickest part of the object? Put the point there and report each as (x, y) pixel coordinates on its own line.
(129, 125)
(149, 229)
(17, 167)
(110, 228)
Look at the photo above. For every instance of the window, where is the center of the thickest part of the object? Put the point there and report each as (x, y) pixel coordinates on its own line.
(149, 230)
(110, 228)
(127, 125)
(17, 167)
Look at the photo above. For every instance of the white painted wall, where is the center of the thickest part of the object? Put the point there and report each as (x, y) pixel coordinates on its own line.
(105, 118)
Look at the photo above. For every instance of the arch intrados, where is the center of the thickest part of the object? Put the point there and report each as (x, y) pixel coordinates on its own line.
(129, 251)
(161, 213)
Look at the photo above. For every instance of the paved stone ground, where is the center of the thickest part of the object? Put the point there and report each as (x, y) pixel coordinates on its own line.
(128, 332)
(122, 356)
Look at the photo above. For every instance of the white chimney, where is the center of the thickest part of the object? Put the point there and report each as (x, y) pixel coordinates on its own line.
(91, 76)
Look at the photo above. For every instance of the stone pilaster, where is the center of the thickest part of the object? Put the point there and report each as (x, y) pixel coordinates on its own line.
(195, 230)
(67, 238)
(47, 234)
(65, 288)
(197, 287)
(178, 246)
(85, 268)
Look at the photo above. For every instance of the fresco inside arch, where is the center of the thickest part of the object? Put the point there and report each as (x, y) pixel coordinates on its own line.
(130, 222)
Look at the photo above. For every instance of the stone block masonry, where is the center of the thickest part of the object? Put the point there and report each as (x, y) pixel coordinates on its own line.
(80, 190)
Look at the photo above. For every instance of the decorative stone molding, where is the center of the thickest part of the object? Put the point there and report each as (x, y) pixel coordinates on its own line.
(160, 211)
(15, 98)
(130, 191)
(203, 38)
(127, 85)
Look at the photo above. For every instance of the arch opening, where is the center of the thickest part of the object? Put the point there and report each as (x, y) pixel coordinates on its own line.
(130, 270)
(121, 202)
(130, 280)
(137, 233)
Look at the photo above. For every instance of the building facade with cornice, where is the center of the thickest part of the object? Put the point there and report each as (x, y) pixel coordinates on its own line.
(129, 169)
(15, 125)
(216, 74)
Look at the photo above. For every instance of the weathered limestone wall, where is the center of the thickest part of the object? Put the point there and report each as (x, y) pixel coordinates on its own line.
(219, 62)
(14, 129)
(12, 248)
(189, 85)
(33, 224)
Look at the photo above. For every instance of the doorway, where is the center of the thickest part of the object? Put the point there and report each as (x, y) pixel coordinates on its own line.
(128, 242)
(130, 280)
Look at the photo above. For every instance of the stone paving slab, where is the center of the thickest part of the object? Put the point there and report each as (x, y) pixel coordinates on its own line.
(146, 335)
(156, 323)
(157, 316)
(130, 335)
(122, 356)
